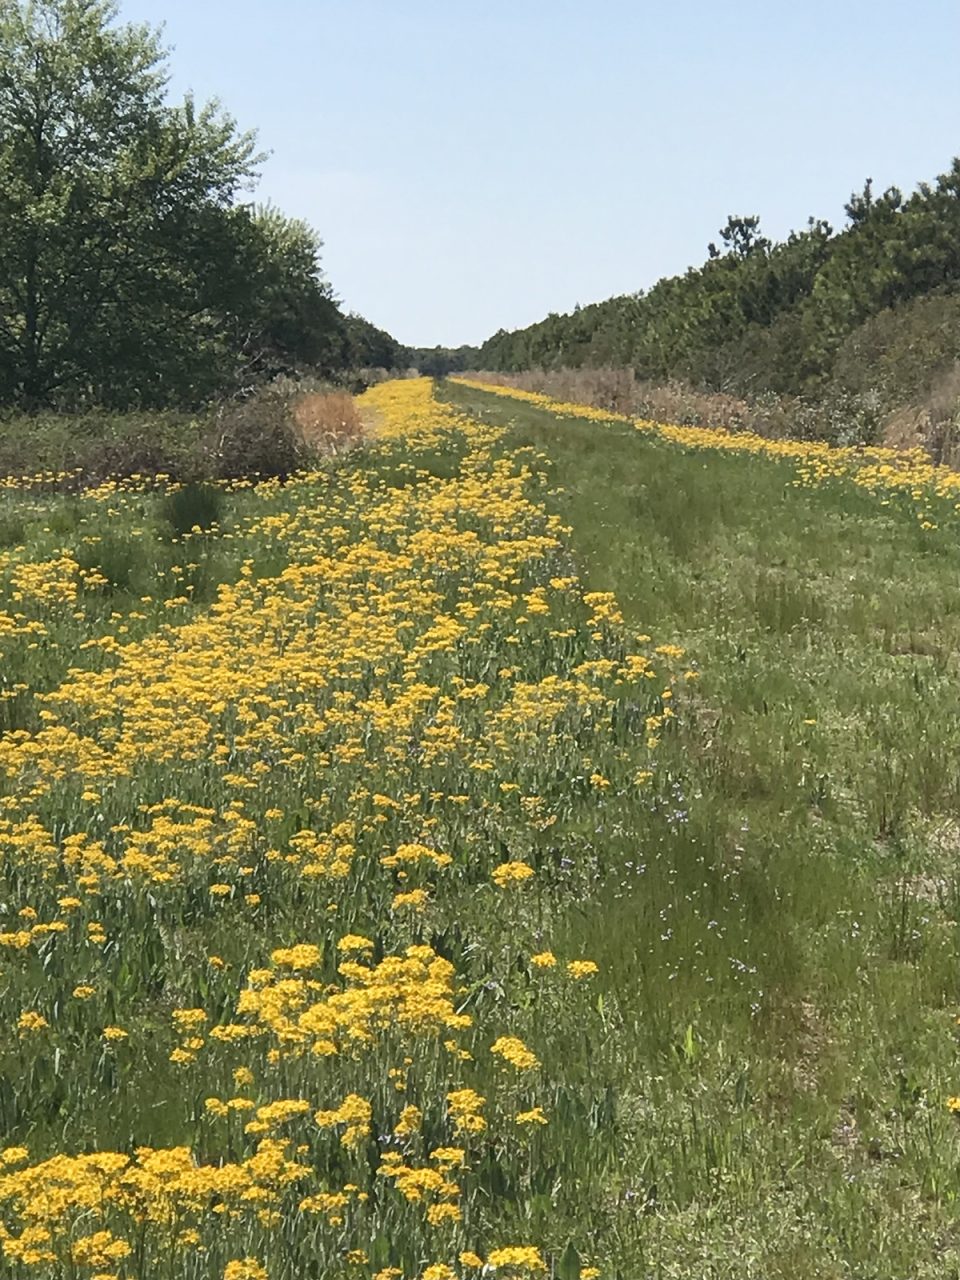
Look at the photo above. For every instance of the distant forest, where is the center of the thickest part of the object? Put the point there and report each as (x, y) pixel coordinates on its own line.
(876, 303)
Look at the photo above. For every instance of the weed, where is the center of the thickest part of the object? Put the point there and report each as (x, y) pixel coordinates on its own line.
(193, 507)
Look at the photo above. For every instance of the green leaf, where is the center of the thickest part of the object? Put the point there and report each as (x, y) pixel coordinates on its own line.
(568, 1268)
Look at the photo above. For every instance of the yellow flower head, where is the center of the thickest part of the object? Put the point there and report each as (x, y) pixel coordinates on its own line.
(302, 956)
(511, 873)
(30, 1021)
(245, 1269)
(519, 1257)
(354, 942)
(515, 1052)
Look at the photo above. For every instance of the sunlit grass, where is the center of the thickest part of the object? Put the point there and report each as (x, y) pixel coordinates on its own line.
(784, 946)
(524, 843)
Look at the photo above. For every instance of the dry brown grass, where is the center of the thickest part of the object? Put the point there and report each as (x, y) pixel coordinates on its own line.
(620, 391)
(933, 422)
(327, 421)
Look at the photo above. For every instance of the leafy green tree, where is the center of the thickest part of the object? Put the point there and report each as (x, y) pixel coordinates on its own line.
(283, 313)
(437, 362)
(111, 204)
(128, 273)
(764, 316)
(368, 347)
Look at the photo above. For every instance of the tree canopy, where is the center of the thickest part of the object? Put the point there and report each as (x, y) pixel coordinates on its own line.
(760, 315)
(131, 271)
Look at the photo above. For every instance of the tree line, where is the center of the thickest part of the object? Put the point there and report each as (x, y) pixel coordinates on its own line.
(135, 270)
(759, 316)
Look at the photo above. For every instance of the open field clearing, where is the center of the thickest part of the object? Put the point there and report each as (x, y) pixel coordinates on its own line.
(294, 972)
(784, 940)
(524, 846)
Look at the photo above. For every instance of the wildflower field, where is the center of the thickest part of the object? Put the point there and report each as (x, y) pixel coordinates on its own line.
(290, 832)
(525, 846)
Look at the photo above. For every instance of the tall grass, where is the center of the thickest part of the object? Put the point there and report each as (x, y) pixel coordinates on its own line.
(516, 848)
(782, 941)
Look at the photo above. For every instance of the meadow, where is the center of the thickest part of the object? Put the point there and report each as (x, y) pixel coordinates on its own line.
(782, 938)
(522, 846)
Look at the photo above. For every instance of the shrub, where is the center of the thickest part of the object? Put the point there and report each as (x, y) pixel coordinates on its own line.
(256, 436)
(269, 432)
(88, 448)
(194, 506)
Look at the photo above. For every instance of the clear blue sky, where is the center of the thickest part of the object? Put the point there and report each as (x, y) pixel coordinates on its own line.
(472, 166)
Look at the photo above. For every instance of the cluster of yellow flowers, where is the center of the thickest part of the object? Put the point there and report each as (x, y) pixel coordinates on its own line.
(908, 473)
(277, 857)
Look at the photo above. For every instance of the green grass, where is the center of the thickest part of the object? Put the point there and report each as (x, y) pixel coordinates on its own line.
(151, 569)
(753, 1085)
(778, 934)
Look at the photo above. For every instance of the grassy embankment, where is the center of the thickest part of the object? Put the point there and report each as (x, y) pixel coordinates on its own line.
(781, 938)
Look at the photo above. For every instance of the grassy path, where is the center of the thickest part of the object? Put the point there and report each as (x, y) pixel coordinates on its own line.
(780, 937)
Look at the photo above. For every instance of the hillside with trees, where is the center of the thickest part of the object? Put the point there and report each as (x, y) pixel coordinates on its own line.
(869, 310)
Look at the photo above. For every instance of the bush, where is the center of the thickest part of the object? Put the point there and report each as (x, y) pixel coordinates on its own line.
(195, 506)
(88, 448)
(257, 436)
(270, 432)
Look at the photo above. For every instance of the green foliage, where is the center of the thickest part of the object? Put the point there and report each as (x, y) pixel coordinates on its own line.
(760, 316)
(367, 347)
(286, 315)
(94, 446)
(437, 362)
(130, 276)
(113, 211)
